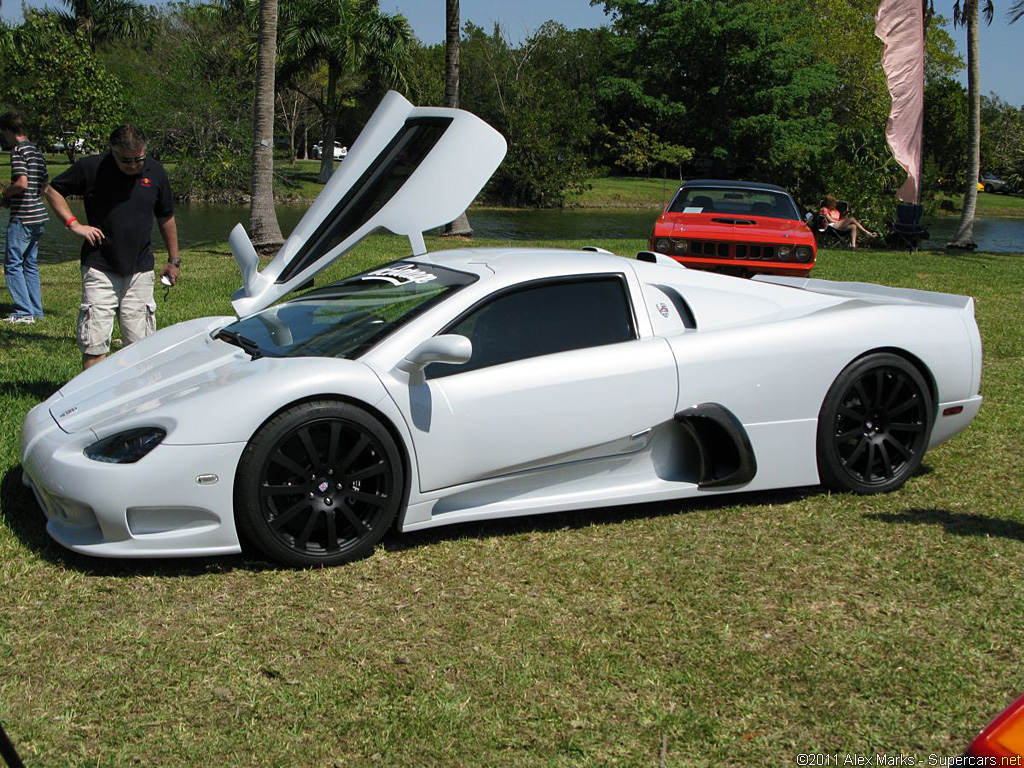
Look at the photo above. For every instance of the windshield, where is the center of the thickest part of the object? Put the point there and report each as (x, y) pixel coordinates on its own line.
(345, 319)
(735, 201)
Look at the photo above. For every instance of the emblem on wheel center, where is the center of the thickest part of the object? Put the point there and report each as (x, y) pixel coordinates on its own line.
(324, 485)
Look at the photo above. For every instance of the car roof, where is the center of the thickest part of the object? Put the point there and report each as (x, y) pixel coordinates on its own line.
(732, 184)
(716, 299)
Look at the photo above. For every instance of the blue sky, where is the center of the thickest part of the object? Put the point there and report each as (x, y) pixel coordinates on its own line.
(1000, 42)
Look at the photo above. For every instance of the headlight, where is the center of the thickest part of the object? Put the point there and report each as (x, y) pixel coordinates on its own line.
(681, 246)
(803, 254)
(126, 447)
(784, 252)
(661, 245)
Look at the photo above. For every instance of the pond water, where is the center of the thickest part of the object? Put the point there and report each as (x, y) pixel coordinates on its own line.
(200, 225)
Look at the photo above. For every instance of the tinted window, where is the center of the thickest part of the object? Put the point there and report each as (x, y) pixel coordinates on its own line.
(735, 201)
(543, 319)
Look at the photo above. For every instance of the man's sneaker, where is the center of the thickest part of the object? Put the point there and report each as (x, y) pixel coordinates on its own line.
(20, 319)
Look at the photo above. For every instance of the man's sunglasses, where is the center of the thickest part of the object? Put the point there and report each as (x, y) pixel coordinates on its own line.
(129, 160)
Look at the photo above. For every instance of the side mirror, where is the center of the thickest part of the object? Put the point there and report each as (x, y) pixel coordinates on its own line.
(448, 348)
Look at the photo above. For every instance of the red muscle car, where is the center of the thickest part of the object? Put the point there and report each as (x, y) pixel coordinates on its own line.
(736, 227)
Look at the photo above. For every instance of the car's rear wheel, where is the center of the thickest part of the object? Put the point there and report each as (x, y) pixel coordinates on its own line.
(988, 188)
(319, 484)
(874, 425)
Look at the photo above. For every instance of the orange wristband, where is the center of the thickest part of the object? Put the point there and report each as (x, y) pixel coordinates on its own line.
(70, 221)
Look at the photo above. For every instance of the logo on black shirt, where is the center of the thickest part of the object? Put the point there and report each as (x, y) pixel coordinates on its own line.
(144, 181)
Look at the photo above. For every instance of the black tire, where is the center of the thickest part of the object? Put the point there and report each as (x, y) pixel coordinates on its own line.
(319, 484)
(988, 188)
(874, 425)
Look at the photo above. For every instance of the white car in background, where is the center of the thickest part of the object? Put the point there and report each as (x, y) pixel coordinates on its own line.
(482, 383)
(339, 151)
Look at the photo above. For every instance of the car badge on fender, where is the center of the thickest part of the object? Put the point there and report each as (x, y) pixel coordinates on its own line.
(68, 412)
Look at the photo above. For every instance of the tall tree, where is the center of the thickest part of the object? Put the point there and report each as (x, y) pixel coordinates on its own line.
(348, 37)
(263, 225)
(451, 91)
(965, 14)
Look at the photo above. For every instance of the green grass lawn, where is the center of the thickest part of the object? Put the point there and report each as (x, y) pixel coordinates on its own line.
(990, 205)
(742, 630)
(626, 192)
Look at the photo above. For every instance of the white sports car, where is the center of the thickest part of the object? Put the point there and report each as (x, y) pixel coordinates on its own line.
(475, 384)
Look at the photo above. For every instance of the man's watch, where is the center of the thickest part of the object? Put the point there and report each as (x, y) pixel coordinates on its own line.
(174, 262)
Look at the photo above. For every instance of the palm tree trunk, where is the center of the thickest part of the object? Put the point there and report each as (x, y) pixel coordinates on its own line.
(263, 225)
(451, 93)
(965, 230)
(327, 155)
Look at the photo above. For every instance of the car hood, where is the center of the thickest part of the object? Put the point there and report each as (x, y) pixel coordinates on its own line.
(719, 225)
(410, 169)
(168, 366)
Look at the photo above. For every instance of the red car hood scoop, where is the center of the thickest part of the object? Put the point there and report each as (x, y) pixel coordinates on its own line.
(735, 222)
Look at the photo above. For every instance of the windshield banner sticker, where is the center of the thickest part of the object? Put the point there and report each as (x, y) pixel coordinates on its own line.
(401, 275)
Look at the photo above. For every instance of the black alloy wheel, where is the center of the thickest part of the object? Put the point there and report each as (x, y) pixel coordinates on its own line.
(874, 425)
(319, 484)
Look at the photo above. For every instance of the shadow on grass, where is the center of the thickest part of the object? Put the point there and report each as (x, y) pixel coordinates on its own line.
(958, 524)
(39, 390)
(584, 518)
(27, 522)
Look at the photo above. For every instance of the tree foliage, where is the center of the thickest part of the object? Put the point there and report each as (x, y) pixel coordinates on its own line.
(106, 21)
(65, 92)
(785, 91)
(739, 82)
(192, 92)
(528, 93)
(350, 43)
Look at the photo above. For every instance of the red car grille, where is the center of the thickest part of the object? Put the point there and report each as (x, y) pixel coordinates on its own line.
(720, 250)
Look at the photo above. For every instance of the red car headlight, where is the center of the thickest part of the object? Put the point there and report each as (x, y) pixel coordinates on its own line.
(662, 245)
(681, 246)
(803, 254)
(784, 252)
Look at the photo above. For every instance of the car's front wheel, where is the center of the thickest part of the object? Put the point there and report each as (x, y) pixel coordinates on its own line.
(874, 425)
(319, 484)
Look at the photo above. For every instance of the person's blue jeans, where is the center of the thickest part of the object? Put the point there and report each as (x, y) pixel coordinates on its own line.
(21, 268)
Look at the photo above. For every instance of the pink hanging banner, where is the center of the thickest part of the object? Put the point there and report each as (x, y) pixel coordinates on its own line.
(899, 24)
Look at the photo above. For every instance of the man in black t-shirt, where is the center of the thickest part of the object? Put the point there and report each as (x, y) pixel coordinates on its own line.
(123, 191)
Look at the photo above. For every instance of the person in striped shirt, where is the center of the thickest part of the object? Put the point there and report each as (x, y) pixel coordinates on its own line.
(29, 179)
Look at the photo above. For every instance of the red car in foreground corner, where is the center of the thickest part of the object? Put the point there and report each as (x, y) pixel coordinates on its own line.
(737, 227)
(1001, 742)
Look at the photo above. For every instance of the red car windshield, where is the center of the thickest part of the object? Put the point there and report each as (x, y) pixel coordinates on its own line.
(735, 201)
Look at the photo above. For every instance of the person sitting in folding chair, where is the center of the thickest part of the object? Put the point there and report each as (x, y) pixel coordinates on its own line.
(841, 221)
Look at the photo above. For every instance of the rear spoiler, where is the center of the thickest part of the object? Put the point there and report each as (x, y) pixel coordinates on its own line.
(869, 291)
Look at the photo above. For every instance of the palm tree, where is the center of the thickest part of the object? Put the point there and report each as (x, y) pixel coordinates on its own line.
(263, 225)
(348, 37)
(451, 91)
(965, 14)
(107, 21)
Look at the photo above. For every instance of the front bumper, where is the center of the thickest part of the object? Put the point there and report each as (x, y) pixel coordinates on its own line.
(156, 507)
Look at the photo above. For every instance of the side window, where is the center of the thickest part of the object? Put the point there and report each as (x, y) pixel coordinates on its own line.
(542, 319)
